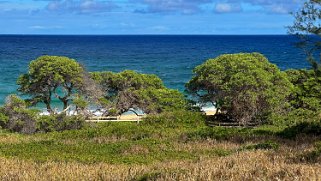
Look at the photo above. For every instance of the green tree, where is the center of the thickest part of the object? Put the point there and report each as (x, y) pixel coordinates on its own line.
(112, 83)
(245, 86)
(129, 89)
(153, 100)
(307, 89)
(308, 28)
(52, 76)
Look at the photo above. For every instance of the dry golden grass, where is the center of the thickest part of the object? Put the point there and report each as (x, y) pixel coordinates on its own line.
(145, 152)
(206, 145)
(10, 138)
(281, 164)
(245, 165)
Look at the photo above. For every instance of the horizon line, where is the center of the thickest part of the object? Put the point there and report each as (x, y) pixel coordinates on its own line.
(143, 34)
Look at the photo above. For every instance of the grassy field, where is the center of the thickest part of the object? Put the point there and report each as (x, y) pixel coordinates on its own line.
(179, 150)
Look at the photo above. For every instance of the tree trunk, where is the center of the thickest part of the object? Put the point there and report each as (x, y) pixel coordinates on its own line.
(49, 109)
(65, 102)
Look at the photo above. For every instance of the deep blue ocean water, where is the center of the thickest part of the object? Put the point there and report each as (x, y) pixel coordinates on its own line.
(170, 57)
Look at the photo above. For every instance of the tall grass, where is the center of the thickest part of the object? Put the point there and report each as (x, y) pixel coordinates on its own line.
(258, 165)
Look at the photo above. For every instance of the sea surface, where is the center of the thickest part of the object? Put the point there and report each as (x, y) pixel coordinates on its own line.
(172, 58)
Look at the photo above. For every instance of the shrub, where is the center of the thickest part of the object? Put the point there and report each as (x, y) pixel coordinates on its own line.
(16, 117)
(220, 133)
(312, 128)
(268, 145)
(176, 119)
(3, 119)
(59, 123)
(294, 117)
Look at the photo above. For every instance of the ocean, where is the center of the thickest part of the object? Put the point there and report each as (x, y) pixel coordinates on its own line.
(172, 58)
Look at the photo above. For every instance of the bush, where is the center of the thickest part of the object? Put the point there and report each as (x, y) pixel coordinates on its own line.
(3, 119)
(176, 119)
(312, 128)
(220, 133)
(16, 117)
(59, 123)
(22, 121)
(294, 117)
(268, 145)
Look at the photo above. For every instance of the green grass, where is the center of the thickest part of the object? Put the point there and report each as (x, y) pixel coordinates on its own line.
(144, 143)
(267, 145)
(116, 143)
(225, 133)
(90, 153)
(127, 143)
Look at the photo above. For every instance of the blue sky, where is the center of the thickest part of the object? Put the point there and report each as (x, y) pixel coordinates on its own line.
(146, 16)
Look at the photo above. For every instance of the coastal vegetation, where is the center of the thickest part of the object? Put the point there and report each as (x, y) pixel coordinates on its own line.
(307, 28)
(245, 87)
(276, 136)
(175, 141)
(50, 76)
(168, 146)
(129, 89)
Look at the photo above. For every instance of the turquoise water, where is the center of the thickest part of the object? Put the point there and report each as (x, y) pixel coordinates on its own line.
(170, 57)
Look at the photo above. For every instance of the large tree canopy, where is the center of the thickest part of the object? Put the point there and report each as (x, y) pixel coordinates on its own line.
(244, 86)
(49, 77)
(114, 82)
(129, 89)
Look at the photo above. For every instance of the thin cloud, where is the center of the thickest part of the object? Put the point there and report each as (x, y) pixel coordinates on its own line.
(81, 7)
(39, 27)
(220, 6)
(160, 28)
(272, 6)
(167, 6)
(227, 8)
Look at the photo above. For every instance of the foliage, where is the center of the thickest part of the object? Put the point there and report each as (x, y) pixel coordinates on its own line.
(81, 104)
(219, 133)
(118, 143)
(159, 100)
(114, 82)
(307, 23)
(59, 122)
(235, 134)
(312, 128)
(294, 116)
(51, 76)
(15, 116)
(129, 89)
(244, 86)
(305, 99)
(307, 89)
(3, 118)
(265, 146)
(176, 119)
(125, 151)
